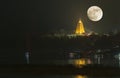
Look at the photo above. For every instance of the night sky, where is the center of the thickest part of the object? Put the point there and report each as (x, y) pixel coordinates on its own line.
(19, 17)
(53, 15)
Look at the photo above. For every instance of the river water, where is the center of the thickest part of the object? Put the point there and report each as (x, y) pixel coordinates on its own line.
(52, 76)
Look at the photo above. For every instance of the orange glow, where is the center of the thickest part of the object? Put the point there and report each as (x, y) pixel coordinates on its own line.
(80, 76)
(79, 62)
(80, 28)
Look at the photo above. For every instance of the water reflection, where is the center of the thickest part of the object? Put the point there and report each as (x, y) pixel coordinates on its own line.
(80, 76)
(51, 76)
(80, 62)
(104, 57)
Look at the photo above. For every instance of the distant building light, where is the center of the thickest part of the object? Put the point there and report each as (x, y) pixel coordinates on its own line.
(71, 55)
(27, 57)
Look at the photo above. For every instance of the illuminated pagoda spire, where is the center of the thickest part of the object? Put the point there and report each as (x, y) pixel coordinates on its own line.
(80, 28)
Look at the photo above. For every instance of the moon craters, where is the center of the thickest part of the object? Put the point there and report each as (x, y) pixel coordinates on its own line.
(95, 13)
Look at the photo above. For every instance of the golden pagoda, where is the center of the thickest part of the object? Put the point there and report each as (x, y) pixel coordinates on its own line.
(80, 28)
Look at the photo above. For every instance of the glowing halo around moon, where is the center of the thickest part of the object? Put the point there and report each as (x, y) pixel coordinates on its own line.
(95, 13)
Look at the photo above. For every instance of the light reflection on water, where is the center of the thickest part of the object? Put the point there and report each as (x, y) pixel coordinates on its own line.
(49, 76)
(77, 76)
(80, 76)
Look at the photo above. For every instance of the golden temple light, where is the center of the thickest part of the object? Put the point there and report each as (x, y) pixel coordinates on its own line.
(80, 28)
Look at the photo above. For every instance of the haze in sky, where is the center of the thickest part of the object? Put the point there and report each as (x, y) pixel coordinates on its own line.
(52, 15)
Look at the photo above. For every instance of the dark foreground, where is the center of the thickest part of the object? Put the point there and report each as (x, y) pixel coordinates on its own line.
(59, 70)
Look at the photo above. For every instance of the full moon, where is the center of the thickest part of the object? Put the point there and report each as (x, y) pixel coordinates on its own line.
(95, 13)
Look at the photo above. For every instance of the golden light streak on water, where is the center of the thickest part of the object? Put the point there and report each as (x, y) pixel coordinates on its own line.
(80, 76)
